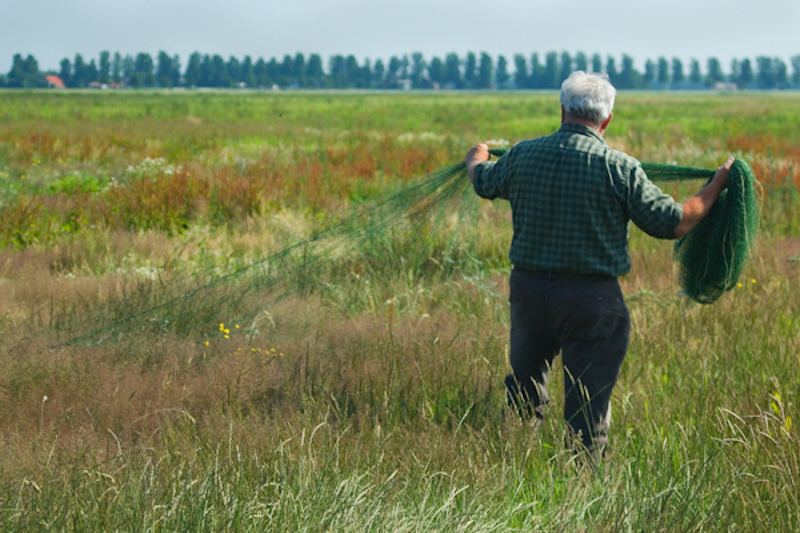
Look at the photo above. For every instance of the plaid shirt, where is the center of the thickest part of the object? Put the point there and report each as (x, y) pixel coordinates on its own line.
(572, 198)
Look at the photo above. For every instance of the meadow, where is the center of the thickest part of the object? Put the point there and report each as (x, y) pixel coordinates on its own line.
(198, 335)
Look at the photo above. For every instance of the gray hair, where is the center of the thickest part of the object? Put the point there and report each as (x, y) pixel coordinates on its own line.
(588, 96)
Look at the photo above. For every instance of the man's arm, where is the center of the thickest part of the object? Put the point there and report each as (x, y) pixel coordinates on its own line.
(698, 206)
(476, 155)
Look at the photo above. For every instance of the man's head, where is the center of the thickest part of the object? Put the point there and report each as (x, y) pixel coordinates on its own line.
(588, 97)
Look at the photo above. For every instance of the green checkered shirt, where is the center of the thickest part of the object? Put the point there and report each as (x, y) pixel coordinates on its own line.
(572, 198)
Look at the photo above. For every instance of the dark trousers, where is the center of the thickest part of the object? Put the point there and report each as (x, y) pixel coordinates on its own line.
(586, 319)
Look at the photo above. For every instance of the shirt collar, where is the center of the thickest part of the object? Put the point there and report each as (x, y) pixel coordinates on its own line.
(580, 128)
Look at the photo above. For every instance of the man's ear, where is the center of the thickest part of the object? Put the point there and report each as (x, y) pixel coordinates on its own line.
(605, 123)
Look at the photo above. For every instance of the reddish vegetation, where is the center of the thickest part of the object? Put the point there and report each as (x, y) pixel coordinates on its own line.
(779, 158)
(168, 201)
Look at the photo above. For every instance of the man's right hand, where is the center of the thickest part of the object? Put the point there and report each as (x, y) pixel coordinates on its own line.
(476, 155)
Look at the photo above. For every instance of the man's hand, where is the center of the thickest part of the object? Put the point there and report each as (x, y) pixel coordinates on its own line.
(698, 206)
(476, 155)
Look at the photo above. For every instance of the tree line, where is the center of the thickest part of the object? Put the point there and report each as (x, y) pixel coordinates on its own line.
(399, 72)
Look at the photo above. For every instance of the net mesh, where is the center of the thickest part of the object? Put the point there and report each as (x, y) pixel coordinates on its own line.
(711, 256)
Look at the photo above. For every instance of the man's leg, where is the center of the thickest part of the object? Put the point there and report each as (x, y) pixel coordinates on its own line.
(532, 346)
(594, 328)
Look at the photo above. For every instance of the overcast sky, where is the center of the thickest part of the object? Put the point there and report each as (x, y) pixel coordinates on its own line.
(378, 29)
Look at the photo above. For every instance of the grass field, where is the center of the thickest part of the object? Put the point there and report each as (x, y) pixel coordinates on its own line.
(178, 356)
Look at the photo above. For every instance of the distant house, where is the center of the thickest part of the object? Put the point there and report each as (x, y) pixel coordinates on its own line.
(55, 82)
(720, 86)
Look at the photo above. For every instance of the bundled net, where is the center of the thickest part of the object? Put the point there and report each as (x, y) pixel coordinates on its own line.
(712, 256)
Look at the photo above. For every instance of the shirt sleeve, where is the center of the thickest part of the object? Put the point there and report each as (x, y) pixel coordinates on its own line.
(653, 211)
(491, 178)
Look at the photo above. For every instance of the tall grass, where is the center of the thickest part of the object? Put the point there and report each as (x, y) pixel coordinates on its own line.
(363, 393)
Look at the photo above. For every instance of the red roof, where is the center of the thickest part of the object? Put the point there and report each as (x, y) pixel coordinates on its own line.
(55, 81)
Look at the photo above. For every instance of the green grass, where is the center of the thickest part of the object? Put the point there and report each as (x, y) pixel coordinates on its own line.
(362, 391)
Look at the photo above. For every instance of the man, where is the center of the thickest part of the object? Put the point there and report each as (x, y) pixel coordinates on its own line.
(572, 198)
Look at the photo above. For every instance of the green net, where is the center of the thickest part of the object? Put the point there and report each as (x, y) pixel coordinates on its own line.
(714, 253)
(711, 256)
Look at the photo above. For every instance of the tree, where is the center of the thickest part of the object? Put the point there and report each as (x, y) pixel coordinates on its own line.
(677, 71)
(581, 62)
(437, 72)
(378, 73)
(470, 70)
(65, 73)
(246, 72)
(734, 75)
(629, 77)
(338, 72)
(116, 68)
(175, 73)
(91, 71)
(714, 73)
(354, 73)
(501, 75)
(24, 73)
(795, 60)
(746, 76)
(695, 76)
(765, 72)
(485, 68)
(286, 76)
(611, 70)
(164, 70)
(362, 76)
(536, 78)
(550, 79)
(273, 71)
(393, 74)
(781, 75)
(417, 70)
(192, 74)
(565, 67)
(404, 67)
(452, 71)
(127, 69)
(261, 73)
(142, 71)
(299, 68)
(597, 63)
(521, 68)
(315, 76)
(79, 73)
(104, 74)
(218, 72)
(16, 76)
(649, 73)
(234, 71)
(663, 71)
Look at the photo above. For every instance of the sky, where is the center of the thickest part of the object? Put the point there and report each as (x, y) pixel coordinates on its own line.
(378, 29)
